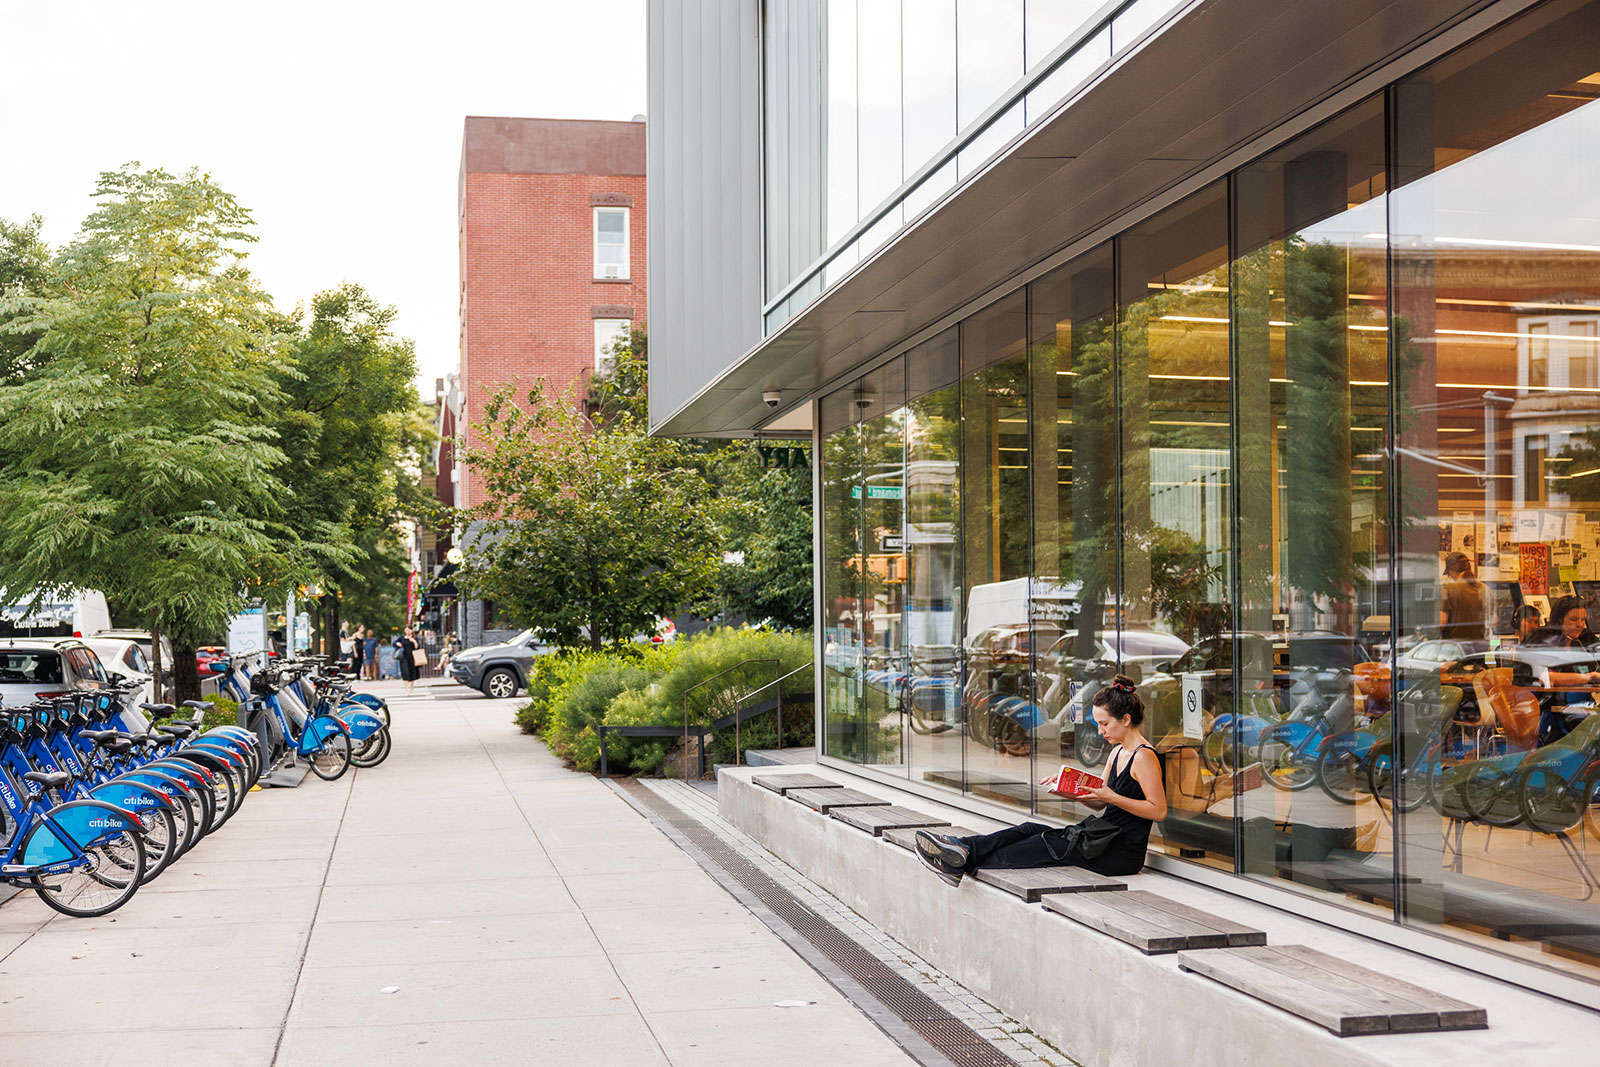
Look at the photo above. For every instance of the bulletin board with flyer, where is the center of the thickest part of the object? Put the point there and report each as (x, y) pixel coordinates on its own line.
(1528, 556)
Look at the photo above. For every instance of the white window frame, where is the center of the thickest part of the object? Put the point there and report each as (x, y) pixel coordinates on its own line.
(606, 331)
(627, 251)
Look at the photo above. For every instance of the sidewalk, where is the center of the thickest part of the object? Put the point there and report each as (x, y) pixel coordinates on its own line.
(526, 914)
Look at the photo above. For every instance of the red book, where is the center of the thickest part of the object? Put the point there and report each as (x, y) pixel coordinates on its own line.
(1075, 784)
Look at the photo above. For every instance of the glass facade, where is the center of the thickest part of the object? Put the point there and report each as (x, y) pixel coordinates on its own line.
(1313, 455)
(877, 108)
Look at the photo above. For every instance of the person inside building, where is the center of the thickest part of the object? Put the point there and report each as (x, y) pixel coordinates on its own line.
(1111, 842)
(1576, 674)
(1529, 623)
(1463, 601)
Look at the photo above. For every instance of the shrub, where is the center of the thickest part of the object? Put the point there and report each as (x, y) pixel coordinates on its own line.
(579, 703)
(224, 712)
(549, 672)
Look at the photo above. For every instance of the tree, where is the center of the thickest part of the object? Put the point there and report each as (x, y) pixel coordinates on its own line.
(25, 272)
(588, 537)
(138, 455)
(773, 531)
(351, 435)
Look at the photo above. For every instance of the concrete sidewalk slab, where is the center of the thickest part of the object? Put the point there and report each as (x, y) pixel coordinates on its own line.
(522, 912)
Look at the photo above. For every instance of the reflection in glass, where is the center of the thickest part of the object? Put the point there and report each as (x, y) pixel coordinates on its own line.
(1071, 326)
(881, 405)
(997, 640)
(1176, 513)
(1313, 699)
(841, 579)
(932, 689)
(1497, 278)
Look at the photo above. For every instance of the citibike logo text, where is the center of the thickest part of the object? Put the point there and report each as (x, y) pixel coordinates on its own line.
(105, 824)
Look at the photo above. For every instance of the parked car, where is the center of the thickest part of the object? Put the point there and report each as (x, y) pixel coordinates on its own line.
(39, 668)
(497, 670)
(142, 639)
(124, 660)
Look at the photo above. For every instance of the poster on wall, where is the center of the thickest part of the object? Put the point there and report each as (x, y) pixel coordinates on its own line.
(1526, 526)
(1535, 573)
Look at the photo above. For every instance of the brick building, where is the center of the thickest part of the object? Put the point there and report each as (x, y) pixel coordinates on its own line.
(552, 246)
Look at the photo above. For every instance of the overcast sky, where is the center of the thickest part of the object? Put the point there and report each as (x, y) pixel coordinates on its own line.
(337, 123)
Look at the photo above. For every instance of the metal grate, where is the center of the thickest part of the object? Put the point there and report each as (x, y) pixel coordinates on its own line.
(951, 1037)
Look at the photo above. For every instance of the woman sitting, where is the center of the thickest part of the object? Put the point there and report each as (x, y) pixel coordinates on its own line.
(1111, 843)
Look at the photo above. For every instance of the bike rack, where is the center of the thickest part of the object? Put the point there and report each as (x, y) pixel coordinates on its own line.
(741, 713)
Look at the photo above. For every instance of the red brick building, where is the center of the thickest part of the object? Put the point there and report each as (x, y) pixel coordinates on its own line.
(552, 223)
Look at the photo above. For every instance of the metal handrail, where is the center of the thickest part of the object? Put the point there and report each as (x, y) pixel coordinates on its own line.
(774, 660)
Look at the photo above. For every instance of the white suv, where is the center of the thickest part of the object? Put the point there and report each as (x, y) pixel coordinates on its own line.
(33, 668)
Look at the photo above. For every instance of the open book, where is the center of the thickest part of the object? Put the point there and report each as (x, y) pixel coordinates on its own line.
(1073, 783)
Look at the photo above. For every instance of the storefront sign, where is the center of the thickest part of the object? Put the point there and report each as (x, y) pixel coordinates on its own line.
(784, 459)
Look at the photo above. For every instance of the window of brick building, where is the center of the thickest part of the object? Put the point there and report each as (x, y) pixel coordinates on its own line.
(611, 242)
(606, 333)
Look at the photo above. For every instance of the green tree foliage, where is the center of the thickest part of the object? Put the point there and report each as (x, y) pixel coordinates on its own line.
(25, 273)
(354, 437)
(139, 455)
(773, 584)
(588, 536)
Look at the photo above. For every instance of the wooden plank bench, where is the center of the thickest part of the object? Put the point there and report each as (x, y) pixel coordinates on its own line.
(825, 800)
(875, 820)
(1031, 883)
(1153, 923)
(906, 837)
(1333, 993)
(782, 783)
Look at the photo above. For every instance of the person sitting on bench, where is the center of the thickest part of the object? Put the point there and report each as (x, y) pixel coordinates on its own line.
(1111, 843)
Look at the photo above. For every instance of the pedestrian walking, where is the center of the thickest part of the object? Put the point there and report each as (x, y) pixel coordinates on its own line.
(358, 648)
(347, 651)
(409, 656)
(370, 649)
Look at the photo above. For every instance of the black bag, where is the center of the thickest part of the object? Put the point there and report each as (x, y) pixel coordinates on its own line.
(1090, 838)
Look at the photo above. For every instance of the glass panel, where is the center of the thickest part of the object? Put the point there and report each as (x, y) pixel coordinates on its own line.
(844, 733)
(842, 209)
(983, 147)
(1496, 295)
(1176, 514)
(1049, 22)
(930, 81)
(933, 560)
(883, 414)
(989, 54)
(878, 101)
(997, 641)
(1071, 328)
(1126, 27)
(1072, 72)
(1312, 703)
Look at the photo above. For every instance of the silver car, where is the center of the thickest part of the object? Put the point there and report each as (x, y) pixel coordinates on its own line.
(40, 668)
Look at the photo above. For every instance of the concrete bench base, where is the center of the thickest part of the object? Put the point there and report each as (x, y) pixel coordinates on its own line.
(1055, 976)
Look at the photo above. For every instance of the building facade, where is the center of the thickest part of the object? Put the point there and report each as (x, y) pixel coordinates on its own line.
(1247, 350)
(553, 252)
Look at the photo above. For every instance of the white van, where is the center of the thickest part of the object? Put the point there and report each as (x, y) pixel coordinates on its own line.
(80, 615)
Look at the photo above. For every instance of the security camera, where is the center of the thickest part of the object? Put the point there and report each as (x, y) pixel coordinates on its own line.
(770, 397)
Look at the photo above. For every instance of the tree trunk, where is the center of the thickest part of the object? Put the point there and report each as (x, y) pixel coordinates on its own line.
(157, 686)
(185, 669)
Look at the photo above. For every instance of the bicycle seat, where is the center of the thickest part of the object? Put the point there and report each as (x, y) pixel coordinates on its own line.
(158, 711)
(100, 737)
(177, 729)
(48, 779)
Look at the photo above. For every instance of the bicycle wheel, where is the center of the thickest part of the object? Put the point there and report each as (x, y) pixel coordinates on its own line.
(101, 885)
(373, 751)
(1281, 765)
(1216, 751)
(1489, 796)
(160, 841)
(1549, 802)
(1341, 772)
(332, 757)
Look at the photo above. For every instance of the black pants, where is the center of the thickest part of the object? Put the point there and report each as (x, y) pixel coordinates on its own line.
(1029, 844)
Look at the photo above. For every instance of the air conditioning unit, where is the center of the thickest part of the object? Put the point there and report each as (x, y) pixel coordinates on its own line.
(611, 270)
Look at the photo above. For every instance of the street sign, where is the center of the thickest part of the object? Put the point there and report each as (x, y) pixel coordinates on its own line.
(878, 492)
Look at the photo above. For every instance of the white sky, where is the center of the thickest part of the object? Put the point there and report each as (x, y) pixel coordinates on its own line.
(337, 123)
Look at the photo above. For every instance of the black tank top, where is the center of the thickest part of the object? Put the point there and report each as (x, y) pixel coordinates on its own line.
(1135, 835)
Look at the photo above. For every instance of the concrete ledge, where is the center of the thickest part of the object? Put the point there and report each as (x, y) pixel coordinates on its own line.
(1105, 1003)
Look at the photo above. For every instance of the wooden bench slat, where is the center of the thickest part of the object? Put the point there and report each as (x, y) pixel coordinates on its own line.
(1234, 934)
(782, 783)
(825, 800)
(1144, 929)
(1453, 1014)
(1031, 883)
(1405, 1014)
(1343, 1015)
(906, 837)
(875, 820)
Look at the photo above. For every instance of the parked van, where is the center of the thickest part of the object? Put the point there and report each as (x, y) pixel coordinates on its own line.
(80, 615)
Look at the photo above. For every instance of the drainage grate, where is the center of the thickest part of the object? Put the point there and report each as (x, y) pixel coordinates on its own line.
(951, 1037)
